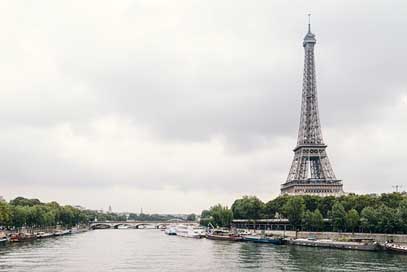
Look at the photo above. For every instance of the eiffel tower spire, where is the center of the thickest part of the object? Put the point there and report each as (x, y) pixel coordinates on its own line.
(311, 171)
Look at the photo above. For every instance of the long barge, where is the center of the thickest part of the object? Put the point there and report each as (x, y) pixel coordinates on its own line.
(365, 246)
(263, 239)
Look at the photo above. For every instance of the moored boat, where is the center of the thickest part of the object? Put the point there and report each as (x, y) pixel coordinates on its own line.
(170, 230)
(224, 235)
(41, 235)
(367, 245)
(189, 231)
(3, 238)
(263, 239)
(75, 230)
(395, 247)
(22, 237)
(62, 232)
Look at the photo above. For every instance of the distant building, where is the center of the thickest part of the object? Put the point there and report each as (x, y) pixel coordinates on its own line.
(81, 208)
(110, 209)
(2, 199)
(311, 172)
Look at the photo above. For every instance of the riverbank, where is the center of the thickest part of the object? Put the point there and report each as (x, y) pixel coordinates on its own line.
(341, 236)
(24, 235)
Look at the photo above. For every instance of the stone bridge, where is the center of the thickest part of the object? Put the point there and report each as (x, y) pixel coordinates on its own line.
(138, 224)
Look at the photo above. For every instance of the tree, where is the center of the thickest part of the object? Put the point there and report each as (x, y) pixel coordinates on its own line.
(205, 214)
(206, 218)
(352, 219)
(294, 209)
(221, 215)
(311, 202)
(67, 216)
(391, 200)
(248, 207)
(363, 201)
(313, 220)
(275, 206)
(369, 219)
(191, 217)
(5, 214)
(317, 220)
(21, 201)
(19, 216)
(325, 205)
(387, 221)
(308, 220)
(402, 215)
(338, 215)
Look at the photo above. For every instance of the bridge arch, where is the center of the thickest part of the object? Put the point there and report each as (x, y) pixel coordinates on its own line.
(101, 226)
(145, 225)
(116, 226)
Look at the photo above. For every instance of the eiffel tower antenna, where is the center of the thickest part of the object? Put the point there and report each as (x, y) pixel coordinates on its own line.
(311, 172)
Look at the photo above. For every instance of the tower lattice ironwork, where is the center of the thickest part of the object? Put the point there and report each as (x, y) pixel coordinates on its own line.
(310, 172)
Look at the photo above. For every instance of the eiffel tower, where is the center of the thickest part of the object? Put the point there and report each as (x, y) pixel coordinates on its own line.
(311, 172)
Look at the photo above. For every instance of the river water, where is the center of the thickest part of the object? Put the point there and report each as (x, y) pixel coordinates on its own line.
(152, 250)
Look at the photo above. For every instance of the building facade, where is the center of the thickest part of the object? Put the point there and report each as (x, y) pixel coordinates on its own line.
(311, 172)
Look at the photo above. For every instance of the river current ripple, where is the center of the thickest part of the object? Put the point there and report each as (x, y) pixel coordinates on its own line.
(152, 250)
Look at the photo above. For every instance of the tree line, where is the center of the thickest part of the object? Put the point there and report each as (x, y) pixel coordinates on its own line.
(385, 213)
(32, 213)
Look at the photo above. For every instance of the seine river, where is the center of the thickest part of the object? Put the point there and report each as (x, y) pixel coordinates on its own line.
(152, 250)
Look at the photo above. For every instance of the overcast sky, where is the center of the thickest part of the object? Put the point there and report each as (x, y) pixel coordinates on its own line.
(173, 106)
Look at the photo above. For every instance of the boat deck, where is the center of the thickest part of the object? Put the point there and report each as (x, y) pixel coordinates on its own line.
(335, 244)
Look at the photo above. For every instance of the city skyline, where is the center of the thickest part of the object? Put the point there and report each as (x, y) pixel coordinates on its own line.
(155, 105)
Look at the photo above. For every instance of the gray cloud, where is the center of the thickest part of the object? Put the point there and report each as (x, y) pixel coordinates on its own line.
(196, 96)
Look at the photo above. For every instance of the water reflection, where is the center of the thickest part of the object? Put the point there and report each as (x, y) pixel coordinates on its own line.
(250, 255)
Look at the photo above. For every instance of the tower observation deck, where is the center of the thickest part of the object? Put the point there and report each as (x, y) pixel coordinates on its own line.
(311, 172)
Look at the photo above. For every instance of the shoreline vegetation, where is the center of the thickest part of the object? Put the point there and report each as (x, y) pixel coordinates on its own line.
(32, 215)
(385, 213)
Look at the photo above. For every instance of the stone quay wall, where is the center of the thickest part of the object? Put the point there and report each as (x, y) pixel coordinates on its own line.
(379, 237)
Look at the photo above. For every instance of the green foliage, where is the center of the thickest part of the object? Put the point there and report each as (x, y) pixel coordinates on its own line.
(274, 208)
(205, 214)
(294, 209)
(206, 218)
(222, 215)
(338, 215)
(402, 215)
(352, 219)
(219, 216)
(325, 205)
(5, 214)
(385, 213)
(313, 220)
(311, 202)
(21, 201)
(19, 216)
(191, 217)
(391, 200)
(388, 221)
(369, 219)
(32, 213)
(248, 207)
